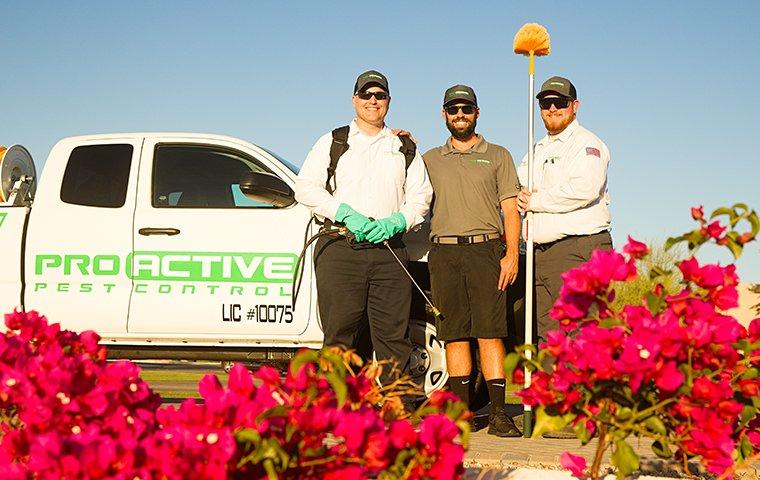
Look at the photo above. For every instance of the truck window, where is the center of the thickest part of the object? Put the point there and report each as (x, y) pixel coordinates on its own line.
(97, 175)
(200, 176)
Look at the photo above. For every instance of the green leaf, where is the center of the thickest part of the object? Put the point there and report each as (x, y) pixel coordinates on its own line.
(248, 435)
(754, 221)
(584, 435)
(672, 241)
(745, 448)
(276, 411)
(743, 345)
(623, 414)
(735, 248)
(748, 413)
(749, 374)
(550, 423)
(662, 449)
(510, 363)
(302, 358)
(695, 239)
(625, 459)
(723, 211)
(655, 303)
(654, 424)
(610, 322)
(335, 361)
(338, 384)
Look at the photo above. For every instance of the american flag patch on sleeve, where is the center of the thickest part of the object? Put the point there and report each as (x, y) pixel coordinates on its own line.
(593, 151)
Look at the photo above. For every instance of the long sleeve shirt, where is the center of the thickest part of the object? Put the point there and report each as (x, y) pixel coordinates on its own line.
(371, 177)
(570, 185)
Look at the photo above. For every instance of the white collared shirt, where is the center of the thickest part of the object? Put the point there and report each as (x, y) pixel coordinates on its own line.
(570, 183)
(371, 178)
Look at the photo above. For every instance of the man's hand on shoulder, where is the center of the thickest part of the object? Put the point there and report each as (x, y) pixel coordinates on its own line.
(402, 133)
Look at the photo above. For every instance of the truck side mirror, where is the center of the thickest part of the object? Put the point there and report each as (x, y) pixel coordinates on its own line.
(267, 188)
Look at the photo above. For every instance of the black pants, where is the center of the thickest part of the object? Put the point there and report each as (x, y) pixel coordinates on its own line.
(554, 259)
(364, 288)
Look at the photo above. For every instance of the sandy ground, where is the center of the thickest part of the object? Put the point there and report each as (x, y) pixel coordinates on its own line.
(745, 312)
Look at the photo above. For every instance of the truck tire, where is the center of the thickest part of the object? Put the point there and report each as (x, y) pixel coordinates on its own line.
(427, 362)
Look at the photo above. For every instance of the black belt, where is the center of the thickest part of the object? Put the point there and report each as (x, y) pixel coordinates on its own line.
(465, 239)
(546, 246)
(396, 241)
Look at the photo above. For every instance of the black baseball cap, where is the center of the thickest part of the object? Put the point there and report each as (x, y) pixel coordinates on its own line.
(369, 78)
(460, 93)
(558, 86)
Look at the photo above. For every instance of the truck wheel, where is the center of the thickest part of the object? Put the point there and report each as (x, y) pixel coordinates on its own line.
(427, 363)
(227, 366)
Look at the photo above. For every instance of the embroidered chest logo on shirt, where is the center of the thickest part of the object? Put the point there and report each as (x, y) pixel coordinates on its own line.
(480, 161)
(593, 151)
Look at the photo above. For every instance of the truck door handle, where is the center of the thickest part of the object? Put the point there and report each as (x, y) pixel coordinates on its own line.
(159, 231)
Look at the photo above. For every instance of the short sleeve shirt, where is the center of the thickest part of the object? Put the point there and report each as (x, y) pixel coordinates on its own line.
(468, 187)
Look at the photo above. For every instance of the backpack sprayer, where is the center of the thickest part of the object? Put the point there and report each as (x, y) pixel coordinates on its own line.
(334, 229)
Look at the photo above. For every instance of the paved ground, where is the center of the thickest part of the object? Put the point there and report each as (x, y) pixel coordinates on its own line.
(494, 451)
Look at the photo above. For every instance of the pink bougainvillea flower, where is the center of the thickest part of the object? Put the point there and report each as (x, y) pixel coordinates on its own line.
(668, 377)
(436, 430)
(714, 230)
(698, 213)
(240, 380)
(402, 434)
(635, 249)
(574, 463)
(448, 463)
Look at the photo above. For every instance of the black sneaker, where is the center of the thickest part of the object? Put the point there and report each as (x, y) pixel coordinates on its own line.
(478, 422)
(501, 425)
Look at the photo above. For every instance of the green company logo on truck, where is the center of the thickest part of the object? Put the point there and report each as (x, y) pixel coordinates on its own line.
(175, 266)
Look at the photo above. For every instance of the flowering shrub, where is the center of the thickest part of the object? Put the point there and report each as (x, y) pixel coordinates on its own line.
(67, 413)
(673, 368)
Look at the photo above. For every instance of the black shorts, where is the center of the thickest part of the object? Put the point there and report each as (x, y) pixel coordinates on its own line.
(465, 284)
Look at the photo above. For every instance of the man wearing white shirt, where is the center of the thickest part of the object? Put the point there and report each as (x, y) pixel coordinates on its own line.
(570, 203)
(378, 198)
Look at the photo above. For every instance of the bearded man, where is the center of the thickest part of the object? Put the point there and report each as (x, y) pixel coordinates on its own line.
(569, 201)
(473, 183)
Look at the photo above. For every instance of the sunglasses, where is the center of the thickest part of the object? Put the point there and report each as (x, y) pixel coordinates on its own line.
(466, 109)
(368, 95)
(559, 102)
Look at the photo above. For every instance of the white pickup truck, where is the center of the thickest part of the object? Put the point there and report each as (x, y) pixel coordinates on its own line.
(155, 241)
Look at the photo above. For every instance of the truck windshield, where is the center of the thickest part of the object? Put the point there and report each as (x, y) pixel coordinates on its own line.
(290, 166)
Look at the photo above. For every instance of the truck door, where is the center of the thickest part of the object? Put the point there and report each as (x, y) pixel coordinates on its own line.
(80, 235)
(208, 262)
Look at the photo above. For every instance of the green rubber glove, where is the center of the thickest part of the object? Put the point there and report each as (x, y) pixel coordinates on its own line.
(384, 228)
(353, 220)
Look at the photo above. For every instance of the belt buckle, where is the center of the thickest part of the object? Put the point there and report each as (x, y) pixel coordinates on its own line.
(463, 240)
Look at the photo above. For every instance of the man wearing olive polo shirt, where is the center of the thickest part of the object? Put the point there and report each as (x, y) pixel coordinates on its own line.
(570, 203)
(473, 181)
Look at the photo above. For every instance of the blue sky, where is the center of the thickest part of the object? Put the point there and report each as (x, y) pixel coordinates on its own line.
(669, 86)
